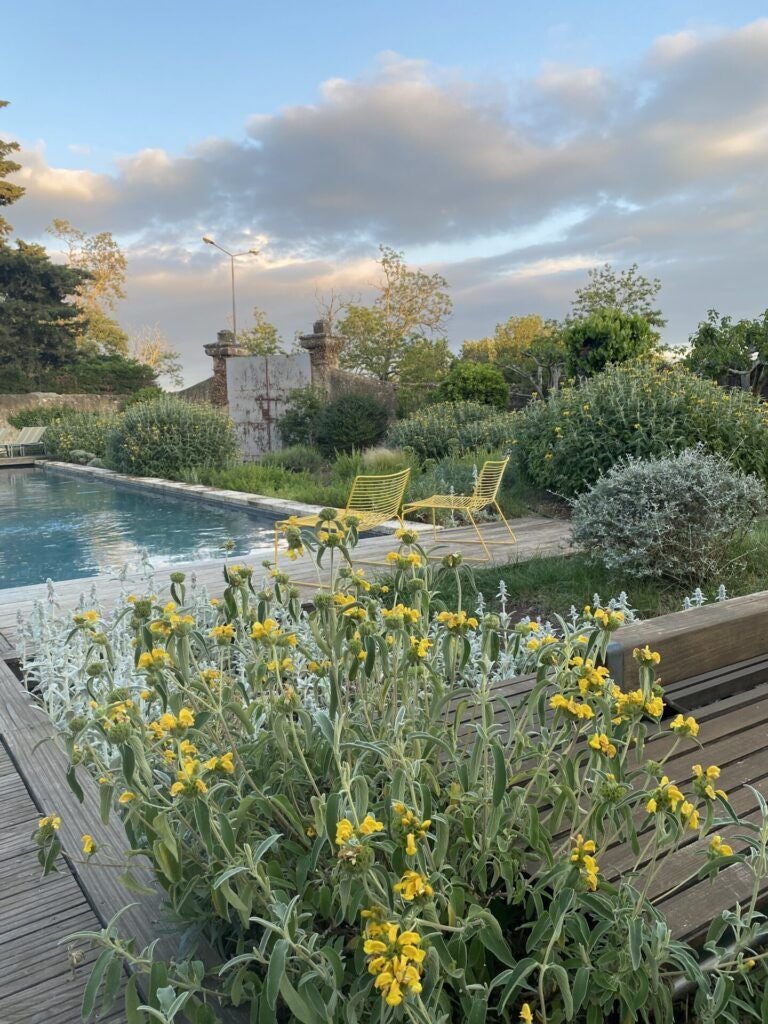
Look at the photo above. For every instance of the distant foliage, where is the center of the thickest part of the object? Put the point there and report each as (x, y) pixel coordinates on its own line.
(298, 424)
(39, 415)
(475, 382)
(168, 437)
(150, 394)
(645, 410)
(453, 428)
(674, 516)
(355, 420)
(606, 336)
(75, 431)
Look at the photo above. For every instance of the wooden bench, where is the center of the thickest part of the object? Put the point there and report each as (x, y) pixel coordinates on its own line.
(706, 653)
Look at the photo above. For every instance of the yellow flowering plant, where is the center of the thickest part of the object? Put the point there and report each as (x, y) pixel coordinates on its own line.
(374, 833)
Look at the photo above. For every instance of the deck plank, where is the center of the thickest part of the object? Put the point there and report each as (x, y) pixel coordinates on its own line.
(38, 982)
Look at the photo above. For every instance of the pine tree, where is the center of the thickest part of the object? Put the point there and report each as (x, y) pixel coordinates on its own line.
(9, 192)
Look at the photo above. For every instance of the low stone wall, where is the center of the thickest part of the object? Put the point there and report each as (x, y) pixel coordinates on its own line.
(86, 403)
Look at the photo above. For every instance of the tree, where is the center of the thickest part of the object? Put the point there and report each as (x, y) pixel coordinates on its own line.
(150, 347)
(528, 350)
(475, 382)
(721, 347)
(607, 336)
(38, 326)
(97, 295)
(263, 338)
(410, 305)
(9, 192)
(628, 291)
(424, 361)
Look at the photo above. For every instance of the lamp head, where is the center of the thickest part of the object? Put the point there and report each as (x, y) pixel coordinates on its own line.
(208, 240)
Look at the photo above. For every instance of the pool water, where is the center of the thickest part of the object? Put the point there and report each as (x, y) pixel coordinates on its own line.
(69, 527)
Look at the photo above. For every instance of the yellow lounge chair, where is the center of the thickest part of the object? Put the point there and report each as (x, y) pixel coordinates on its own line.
(483, 496)
(372, 501)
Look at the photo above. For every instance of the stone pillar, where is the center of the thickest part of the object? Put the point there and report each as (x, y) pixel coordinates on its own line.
(222, 349)
(323, 348)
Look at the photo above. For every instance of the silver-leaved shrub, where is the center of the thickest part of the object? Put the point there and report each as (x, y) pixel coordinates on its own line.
(676, 516)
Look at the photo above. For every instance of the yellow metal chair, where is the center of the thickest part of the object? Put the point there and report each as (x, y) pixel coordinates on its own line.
(372, 501)
(483, 496)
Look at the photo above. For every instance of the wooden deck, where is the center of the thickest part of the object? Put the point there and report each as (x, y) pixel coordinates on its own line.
(38, 981)
(536, 536)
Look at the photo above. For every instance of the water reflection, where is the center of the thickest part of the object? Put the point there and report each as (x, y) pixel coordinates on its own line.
(69, 527)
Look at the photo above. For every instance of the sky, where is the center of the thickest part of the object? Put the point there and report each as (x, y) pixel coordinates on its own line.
(508, 146)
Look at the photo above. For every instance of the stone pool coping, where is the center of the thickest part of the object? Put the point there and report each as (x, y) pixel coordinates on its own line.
(279, 508)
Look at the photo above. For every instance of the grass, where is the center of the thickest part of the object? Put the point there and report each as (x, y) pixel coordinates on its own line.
(549, 586)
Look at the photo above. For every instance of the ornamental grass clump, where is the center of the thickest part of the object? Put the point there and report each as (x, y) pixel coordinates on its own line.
(169, 436)
(641, 409)
(677, 516)
(339, 803)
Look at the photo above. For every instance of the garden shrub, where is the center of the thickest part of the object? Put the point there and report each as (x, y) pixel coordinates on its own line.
(298, 458)
(453, 428)
(299, 785)
(606, 336)
(298, 424)
(78, 431)
(168, 436)
(39, 415)
(675, 516)
(150, 394)
(354, 420)
(644, 410)
(475, 382)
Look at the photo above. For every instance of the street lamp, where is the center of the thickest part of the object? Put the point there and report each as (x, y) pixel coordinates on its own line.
(232, 257)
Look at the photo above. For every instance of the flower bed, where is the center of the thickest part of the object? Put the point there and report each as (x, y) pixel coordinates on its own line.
(303, 788)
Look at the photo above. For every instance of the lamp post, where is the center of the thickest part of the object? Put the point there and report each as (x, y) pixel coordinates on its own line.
(232, 257)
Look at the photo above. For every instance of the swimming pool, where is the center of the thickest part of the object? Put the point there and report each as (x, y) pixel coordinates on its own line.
(70, 527)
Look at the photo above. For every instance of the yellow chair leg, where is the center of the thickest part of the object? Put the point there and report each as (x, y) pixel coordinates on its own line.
(480, 537)
(503, 519)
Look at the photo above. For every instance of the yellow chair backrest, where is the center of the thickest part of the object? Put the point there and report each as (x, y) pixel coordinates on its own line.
(488, 482)
(380, 496)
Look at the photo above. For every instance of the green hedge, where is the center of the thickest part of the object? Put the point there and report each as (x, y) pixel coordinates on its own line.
(566, 442)
(168, 437)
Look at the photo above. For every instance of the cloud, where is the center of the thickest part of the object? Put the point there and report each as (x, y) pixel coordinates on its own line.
(663, 162)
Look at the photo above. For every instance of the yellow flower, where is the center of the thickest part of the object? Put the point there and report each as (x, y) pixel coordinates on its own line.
(571, 707)
(645, 656)
(718, 848)
(583, 855)
(89, 846)
(665, 796)
(186, 719)
(126, 797)
(369, 825)
(395, 960)
(689, 814)
(410, 845)
(599, 741)
(684, 726)
(223, 632)
(608, 620)
(52, 821)
(412, 886)
(345, 830)
(525, 1014)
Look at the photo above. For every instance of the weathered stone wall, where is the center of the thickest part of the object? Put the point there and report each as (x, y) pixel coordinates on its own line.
(197, 393)
(258, 389)
(86, 403)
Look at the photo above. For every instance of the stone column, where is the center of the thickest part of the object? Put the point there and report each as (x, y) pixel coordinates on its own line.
(222, 349)
(323, 348)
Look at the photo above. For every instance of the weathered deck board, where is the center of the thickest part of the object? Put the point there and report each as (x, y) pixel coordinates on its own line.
(37, 980)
